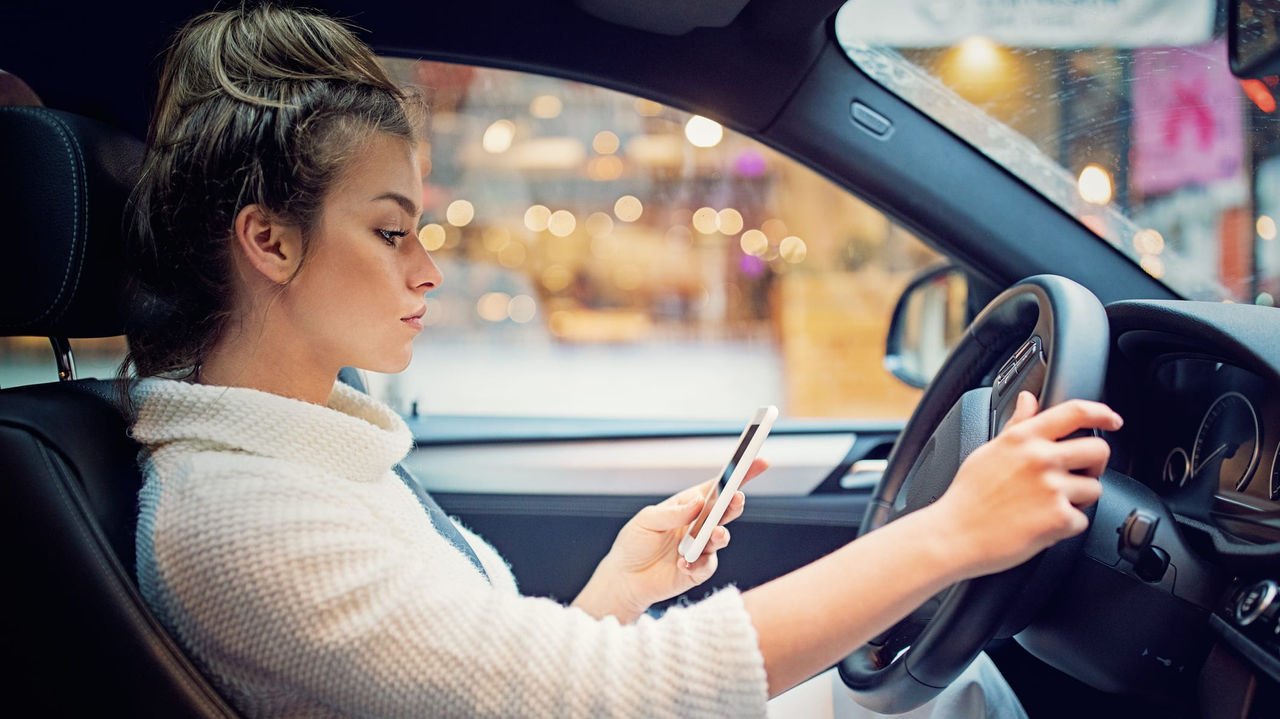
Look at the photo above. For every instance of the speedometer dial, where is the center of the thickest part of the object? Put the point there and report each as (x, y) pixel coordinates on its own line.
(1227, 443)
(1275, 475)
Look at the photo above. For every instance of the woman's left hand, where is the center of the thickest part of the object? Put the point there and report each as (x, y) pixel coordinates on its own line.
(644, 566)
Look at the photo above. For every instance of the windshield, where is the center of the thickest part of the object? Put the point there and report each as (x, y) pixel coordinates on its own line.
(1123, 113)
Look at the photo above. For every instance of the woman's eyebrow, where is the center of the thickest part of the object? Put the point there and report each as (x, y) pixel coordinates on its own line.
(404, 202)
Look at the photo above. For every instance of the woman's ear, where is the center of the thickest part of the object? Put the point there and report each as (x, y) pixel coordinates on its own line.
(272, 248)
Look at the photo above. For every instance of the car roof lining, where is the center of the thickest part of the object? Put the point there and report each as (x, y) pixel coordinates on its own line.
(668, 17)
(772, 42)
(700, 70)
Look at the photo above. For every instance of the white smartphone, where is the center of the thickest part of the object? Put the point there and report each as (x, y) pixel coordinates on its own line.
(695, 540)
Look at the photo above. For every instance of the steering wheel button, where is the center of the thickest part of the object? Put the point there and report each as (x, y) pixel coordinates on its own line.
(1255, 601)
(1136, 533)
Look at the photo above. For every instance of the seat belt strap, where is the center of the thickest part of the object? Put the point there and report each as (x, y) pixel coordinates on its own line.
(441, 521)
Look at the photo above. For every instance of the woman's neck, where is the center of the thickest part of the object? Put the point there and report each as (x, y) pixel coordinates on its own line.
(271, 360)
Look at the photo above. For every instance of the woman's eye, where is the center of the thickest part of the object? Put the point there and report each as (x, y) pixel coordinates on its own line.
(390, 236)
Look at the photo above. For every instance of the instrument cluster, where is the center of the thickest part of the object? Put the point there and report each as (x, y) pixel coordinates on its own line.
(1214, 441)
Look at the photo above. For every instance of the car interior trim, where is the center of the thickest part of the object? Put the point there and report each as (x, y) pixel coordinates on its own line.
(797, 464)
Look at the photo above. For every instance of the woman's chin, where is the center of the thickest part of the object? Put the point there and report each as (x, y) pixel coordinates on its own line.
(391, 365)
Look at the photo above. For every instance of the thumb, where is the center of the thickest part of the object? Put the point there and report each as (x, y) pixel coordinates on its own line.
(664, 517)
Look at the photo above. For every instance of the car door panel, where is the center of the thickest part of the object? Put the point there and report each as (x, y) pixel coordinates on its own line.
(552, 507)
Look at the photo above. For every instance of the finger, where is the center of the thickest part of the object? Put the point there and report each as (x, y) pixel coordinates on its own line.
(697, 491)
(719, 540)
(668, 515)
(1061, 420)
(1024, 407)
(1086, 455)
(757, 467)
(1073, 522)
(1079, 491)
(734, 511)
(1076, 523)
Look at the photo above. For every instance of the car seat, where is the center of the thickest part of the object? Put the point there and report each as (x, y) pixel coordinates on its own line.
(75, 627)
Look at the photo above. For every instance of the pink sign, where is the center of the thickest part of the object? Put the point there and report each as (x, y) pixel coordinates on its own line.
(1188, 127)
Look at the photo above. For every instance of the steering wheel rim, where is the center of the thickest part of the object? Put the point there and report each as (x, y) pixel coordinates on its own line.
(1064, 324)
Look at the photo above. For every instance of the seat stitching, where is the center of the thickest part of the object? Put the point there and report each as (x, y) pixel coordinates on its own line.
(80, 240)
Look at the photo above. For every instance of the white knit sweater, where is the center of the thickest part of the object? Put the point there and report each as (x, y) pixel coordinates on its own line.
(305, 579)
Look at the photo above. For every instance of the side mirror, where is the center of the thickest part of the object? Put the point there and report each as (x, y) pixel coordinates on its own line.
(929, 320)
(1253, 37)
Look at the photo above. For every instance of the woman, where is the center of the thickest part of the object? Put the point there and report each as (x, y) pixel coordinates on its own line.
(275, 245)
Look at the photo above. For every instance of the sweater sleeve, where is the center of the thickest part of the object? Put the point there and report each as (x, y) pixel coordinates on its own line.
(301, 599)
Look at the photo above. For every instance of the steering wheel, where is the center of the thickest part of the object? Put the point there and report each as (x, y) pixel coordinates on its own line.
(1046, 334)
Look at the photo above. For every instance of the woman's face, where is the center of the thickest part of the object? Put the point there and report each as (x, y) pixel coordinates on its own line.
(358, 299)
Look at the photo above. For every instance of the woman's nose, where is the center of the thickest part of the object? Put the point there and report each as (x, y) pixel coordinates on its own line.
(426, 275)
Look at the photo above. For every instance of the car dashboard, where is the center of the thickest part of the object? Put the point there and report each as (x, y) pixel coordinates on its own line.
(1199, 387)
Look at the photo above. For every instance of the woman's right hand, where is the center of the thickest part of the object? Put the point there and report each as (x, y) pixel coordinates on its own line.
(1022, 491)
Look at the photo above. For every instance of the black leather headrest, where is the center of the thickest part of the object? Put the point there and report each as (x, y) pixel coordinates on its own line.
(64, 182)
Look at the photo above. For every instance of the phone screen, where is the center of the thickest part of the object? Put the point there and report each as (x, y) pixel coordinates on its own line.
(718, 487)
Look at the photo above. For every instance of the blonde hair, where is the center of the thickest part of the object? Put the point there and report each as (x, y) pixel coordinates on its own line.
(257, 105)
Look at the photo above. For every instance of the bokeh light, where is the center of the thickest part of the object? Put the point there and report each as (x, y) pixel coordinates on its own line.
(729, 220)
(978, 55)
(703, 131)
(522, 308)
(773, 227)
(497, 138)
(628, 208)
(1094, 185)
(562, 223)
(432, 237)
(545, 107)
(1148, 242)
(605, 168)
(705, 220)
(536, 218)
(492, 306)
(793, 249)
(605, 142)
(1266, 227)
(598, 224)
(754, 242)
(1153, 265)
(648, 108)
(460, 213)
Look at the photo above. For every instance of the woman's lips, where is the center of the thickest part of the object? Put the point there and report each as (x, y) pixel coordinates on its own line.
(415, 320)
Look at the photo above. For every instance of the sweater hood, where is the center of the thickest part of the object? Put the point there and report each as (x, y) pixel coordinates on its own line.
(352, 435)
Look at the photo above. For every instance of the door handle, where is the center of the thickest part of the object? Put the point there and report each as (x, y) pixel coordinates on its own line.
(864, 474)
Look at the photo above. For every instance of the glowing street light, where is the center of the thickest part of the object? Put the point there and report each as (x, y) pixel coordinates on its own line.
(703, 132)
(1094, 185)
